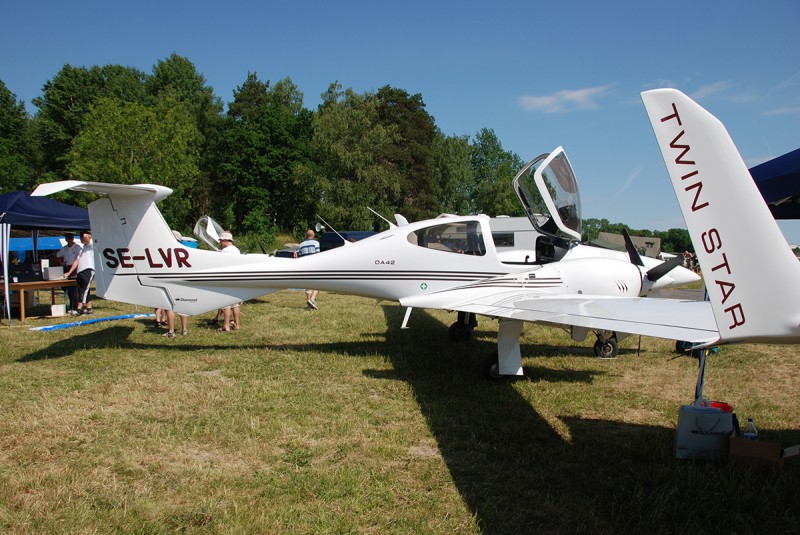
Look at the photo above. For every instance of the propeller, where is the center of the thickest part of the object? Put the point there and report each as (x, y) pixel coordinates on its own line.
(653, 274)
(662, 269)
(633, 254)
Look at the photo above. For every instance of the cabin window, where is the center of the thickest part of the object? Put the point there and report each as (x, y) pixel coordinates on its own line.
(503, 239)
(460, 238)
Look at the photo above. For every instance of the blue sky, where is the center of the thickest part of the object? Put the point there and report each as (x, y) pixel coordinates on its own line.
(540, 74)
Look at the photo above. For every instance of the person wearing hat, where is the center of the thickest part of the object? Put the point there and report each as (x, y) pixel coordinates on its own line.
(67, 255)
(226, 241)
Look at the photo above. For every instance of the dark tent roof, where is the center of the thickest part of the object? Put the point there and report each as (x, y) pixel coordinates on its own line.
(21, 210)
(779, 182)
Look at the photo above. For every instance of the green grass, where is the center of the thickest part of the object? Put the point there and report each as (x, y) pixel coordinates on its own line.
(337, 421)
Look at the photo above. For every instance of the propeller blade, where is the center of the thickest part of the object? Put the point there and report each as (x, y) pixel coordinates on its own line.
(662, 269)
(633, 254)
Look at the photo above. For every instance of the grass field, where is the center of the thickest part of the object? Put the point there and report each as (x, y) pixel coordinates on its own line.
(337, 421)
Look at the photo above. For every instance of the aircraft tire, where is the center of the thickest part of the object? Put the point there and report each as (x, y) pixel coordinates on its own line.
(491, 370)
(460, 332)
(606, 349)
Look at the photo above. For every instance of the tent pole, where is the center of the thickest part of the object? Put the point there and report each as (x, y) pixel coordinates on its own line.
(5, 235)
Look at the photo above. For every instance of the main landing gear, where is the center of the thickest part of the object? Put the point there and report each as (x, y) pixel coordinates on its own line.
(461, 330)
(606, 347)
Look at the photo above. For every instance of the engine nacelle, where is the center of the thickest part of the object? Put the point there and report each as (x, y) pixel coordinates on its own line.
(597, 276)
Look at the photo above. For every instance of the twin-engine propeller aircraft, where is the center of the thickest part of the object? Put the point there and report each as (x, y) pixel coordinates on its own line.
(451, 263)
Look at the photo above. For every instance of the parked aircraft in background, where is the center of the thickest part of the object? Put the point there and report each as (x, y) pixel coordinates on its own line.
(450, 262)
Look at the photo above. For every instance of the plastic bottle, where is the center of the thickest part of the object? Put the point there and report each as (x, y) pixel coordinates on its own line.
(750, 431)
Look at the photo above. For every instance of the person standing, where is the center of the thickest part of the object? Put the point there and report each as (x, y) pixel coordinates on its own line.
(226, 241)
(67, 255)
(84, 267)
(171, 324)
(308, 247)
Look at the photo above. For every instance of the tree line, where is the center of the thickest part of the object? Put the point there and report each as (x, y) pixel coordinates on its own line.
(266, 165)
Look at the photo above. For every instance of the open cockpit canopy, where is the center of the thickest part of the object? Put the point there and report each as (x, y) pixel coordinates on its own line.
(547, 185)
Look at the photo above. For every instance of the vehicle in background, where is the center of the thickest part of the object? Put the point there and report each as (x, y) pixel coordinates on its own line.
(332, 240)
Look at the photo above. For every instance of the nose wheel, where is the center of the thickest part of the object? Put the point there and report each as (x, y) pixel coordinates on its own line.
(491, 370)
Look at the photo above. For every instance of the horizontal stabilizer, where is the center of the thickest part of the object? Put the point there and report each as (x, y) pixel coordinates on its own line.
(136, 190)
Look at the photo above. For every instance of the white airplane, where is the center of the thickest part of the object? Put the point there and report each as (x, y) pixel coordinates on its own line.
(450, 263)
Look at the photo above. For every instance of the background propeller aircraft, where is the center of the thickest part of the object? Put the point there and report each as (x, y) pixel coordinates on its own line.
(451, 262)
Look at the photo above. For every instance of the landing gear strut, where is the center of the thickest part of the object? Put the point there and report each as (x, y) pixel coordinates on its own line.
(507, 362)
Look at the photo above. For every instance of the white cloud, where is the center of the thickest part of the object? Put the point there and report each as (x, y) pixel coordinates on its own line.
(565, 100)
(786, 110)
(711, 89)
(634, 174)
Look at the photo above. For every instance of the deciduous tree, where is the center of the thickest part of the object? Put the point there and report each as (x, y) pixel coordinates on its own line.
(16, 150)
(349, 140)
(67, 98)
(493, 172)
(452, 172)
(130, 143)
(409, 155)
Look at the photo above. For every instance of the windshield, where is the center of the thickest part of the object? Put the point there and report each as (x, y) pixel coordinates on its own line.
(548, 191)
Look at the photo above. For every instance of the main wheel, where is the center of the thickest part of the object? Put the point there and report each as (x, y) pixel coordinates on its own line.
(606, 348)
(460, 332)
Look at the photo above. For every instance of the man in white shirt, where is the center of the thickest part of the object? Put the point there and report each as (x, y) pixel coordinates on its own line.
(84, 267)
(309, 246)
(67, 256)
(226, 241)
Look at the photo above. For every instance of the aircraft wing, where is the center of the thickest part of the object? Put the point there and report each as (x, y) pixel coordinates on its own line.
(691, 321)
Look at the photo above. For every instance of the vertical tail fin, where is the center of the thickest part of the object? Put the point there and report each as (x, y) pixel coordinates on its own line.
(139, 261)
(752, 277)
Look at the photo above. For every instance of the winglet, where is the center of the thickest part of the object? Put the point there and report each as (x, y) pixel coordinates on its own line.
(750, 272)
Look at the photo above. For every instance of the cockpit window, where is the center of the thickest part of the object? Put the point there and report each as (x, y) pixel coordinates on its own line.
(461, 238)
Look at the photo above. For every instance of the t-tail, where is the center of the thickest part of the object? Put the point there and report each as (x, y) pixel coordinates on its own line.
(752, 276)
(139, 261)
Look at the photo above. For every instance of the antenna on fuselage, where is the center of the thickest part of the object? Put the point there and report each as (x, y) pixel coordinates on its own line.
(319, 228)
(391, 225)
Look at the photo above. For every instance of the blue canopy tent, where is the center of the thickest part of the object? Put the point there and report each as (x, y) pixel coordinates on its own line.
(22, 211)
(779, 182)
